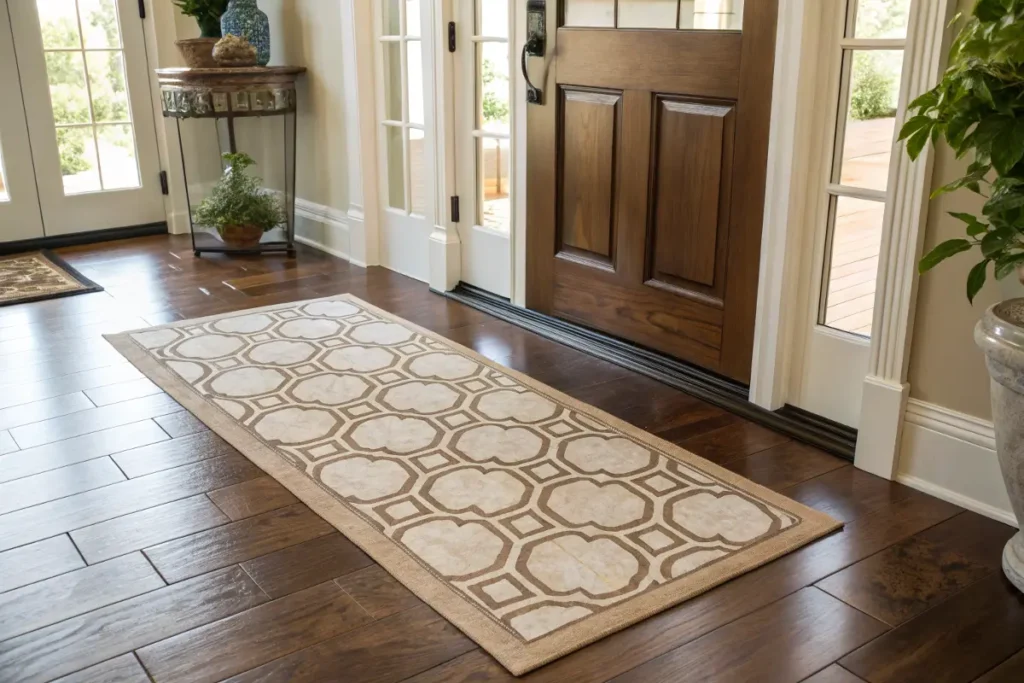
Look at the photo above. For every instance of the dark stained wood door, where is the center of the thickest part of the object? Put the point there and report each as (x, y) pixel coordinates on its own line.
(646, 175)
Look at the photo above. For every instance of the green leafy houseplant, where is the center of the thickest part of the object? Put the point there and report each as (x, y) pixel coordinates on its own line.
(206, 13)
(239, 204)
(978, 109)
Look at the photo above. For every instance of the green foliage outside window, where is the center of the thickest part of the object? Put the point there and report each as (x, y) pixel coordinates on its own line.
(495, 108)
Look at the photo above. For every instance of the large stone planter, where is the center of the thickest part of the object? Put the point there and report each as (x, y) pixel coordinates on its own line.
(1001, 335)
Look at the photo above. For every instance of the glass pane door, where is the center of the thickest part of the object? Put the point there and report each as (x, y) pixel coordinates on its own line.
(484, 80)
(403, 121)
(88, 94)
(405, 153)
(86, 88)
(865, 132)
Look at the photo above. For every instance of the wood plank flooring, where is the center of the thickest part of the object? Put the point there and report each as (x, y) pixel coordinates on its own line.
(137, 545)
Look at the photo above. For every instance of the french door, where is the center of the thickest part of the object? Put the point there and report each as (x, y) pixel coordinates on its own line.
(857, 112)
(483, 136)
(647, 150)
(76, 70)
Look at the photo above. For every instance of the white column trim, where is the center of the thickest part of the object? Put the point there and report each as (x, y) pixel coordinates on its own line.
(906, 216)
(783, 198)
(357, 38)
(445, 257)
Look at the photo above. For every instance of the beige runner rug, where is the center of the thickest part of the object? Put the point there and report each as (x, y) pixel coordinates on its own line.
(534, 523)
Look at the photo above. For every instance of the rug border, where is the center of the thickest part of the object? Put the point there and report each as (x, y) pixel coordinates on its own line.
(518, 658)
(88, 286)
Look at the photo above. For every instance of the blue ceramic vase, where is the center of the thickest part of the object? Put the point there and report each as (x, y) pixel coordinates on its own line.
(244, 19)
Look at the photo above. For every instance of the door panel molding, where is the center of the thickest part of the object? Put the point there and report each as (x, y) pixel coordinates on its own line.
(690, 202)
(589, 158)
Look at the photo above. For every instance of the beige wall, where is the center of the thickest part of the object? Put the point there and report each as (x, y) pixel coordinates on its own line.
(945, 366)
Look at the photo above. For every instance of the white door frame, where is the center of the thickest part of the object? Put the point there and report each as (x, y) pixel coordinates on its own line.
(20, 213)
(787, 220)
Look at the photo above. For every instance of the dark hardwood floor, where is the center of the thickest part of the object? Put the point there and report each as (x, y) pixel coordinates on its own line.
(136, 545)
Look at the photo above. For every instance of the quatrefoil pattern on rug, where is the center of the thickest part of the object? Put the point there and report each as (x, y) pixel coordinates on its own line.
(533, 510)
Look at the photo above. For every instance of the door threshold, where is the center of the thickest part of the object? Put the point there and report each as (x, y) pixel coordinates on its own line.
(835, 438)
(90, 237)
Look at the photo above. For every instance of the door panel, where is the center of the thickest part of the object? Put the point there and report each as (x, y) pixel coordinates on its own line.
(646, 183)
(693, 148)
(590, 122)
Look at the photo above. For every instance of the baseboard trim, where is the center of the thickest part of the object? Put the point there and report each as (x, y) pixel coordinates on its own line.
(958, 425)
(952, 456)
(330, 218)
(708, 386)
(78, 238)
(950, 496)
(321, 247)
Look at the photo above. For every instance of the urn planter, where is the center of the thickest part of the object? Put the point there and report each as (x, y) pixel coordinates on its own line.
(1001, 335)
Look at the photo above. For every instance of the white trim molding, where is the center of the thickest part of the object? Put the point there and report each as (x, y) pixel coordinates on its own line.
(445, 251)
(952, 456)
(784, 195)
(335, 237)
(903, 229)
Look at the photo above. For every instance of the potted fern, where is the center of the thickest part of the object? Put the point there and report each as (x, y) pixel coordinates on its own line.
(238, 208)
(978, 109)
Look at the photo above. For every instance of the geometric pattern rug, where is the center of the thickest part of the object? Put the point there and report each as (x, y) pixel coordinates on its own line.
(39, 275)
(534, 523)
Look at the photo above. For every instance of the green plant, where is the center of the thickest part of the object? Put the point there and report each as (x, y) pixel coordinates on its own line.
(238, 199)
(495, 110)
(206, 13)
(872, 93)
(978, 109)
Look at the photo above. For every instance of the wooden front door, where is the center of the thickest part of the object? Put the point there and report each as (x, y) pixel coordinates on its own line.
(646, 173)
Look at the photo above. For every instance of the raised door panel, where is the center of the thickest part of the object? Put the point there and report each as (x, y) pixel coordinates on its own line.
(692, 164)
(590, 123)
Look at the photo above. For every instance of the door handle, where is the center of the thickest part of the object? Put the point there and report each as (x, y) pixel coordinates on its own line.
(534, 95)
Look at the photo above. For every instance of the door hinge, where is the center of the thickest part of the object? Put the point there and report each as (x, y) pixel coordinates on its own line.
(142, 9)
(163, 183)
(451, 36)
(455, 209)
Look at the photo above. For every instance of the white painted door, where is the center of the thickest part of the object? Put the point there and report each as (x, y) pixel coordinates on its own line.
(405, 150)
(19, 204)
(85, 92)
(483, 138)
(860, 94)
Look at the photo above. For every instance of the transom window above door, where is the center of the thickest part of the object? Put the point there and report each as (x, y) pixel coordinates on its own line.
(89, 94)
(870, 63)
(708, 15)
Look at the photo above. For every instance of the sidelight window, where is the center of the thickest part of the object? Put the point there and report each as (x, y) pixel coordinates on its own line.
(707, 15)
(403, 112)
(492, 131)
(872, 47)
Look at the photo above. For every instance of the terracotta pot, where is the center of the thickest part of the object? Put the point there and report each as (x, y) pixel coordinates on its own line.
(241, 236)
(198, 52)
